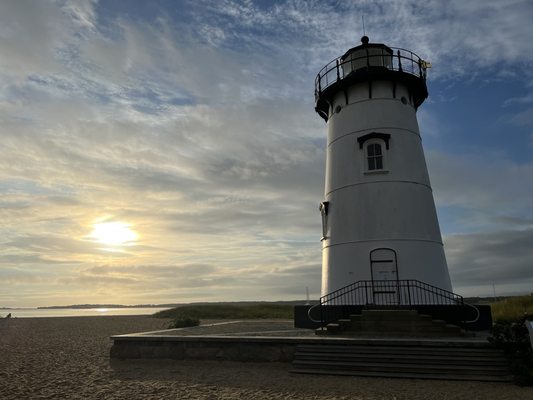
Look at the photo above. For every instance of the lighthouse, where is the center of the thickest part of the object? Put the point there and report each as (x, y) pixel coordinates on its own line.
(379, 222)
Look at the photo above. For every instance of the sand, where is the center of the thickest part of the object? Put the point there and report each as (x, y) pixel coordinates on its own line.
(68, 358)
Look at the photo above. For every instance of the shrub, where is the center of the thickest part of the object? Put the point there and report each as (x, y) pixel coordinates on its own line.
(513, 338)
(184, 321)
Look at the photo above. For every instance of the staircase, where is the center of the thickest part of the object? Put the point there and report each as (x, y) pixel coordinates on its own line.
(395, 323)
(466, 361)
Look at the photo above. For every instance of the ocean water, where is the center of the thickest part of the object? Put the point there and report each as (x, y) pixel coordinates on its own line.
(71, 312)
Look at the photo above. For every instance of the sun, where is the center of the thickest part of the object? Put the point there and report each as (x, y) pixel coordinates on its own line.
(113, 233)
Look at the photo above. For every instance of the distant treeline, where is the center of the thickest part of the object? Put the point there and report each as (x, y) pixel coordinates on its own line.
(172, 305)
(229, 311)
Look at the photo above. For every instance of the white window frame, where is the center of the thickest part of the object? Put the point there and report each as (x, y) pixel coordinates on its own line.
(383, 146)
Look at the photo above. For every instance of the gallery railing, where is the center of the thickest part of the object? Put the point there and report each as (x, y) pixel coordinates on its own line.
(396, 60)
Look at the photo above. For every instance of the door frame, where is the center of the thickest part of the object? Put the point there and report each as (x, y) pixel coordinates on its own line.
(395, 265)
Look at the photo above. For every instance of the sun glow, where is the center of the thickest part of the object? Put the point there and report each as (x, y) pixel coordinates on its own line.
(113, 233)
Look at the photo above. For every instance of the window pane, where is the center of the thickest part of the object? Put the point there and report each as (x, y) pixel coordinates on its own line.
(377, 149)
(379, 162)
(371, 163)
(370, 150)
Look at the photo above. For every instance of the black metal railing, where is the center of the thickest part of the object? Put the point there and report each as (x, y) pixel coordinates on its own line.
(383, 294)
(398, 60)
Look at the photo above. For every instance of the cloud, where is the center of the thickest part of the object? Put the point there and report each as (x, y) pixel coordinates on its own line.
(504, 258)
(36, 35)
(490, 186)
(458, 37)
(197, 127)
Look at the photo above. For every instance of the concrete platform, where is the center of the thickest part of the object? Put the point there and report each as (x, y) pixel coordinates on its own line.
(257, 340)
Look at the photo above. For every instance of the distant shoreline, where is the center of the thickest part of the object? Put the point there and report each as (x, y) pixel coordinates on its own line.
(79, 312)
(91, 306)
(168, 305)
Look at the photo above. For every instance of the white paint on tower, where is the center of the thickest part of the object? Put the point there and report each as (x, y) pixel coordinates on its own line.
(379, 218)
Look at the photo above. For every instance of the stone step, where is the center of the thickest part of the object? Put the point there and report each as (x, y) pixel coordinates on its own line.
(389, 324)
(401, 323)
(457, 361)
(333, 327)
(407, 358)
(399, 366)
(453, 345)
(397, 326)
(404, 375)
(398, 349)
(421, 333)
(389, 314)
(485, 357)
(403, 333)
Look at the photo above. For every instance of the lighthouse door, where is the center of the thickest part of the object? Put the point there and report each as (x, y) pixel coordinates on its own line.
(384, 272)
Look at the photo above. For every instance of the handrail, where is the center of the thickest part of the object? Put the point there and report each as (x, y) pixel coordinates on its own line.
(399, 59)
(389, 284)
(394, 293)
(478, 314)
(309, 312)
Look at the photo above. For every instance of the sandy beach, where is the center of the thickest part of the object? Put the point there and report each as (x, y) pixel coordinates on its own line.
(68, 358)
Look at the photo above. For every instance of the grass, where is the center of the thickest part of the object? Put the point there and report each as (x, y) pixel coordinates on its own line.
(512, 308)
(229, 311)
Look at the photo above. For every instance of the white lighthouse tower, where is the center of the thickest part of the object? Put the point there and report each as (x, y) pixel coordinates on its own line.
(378, 215)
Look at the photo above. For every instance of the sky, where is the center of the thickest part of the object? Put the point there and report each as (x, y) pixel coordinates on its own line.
(187, 130)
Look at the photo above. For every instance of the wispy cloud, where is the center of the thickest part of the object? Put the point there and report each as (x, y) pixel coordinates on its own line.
(195, 124)
(503, 258)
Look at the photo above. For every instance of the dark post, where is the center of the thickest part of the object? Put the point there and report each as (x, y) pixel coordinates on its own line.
(321, 313)
(399, 62)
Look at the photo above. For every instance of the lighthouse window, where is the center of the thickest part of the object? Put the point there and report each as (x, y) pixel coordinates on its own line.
(374, 147)
(374, 156)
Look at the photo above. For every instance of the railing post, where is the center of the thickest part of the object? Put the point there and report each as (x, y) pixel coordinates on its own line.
(420, 67)
(399, 62)
(337, 66)
(321, 314)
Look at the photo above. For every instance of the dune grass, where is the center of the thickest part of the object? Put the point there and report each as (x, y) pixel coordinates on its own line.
(512, 308)
(229, 311)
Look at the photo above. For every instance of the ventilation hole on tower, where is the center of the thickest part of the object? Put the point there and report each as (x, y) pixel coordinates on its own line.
(338, 109)
(404, 100)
